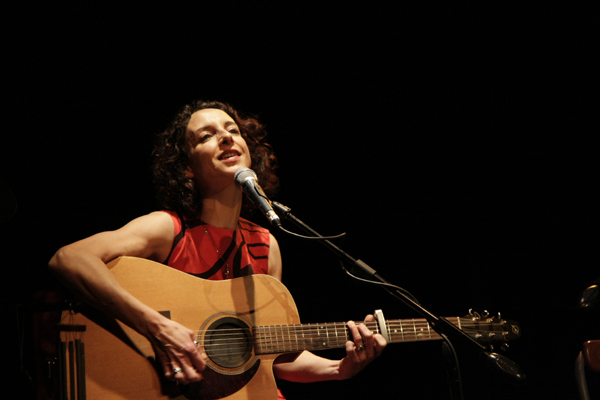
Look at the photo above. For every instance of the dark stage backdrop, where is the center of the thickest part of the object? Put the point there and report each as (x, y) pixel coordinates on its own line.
(454, 146)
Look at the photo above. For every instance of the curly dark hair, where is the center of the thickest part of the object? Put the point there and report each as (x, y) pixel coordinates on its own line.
(170, 160)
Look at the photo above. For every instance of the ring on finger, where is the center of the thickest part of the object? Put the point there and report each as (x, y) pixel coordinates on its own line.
(176, 370)
(361, 347)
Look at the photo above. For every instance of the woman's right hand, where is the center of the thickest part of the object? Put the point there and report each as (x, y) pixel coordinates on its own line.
(175, 348)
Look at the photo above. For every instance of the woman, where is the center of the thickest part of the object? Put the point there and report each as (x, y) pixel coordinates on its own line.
(200, 232)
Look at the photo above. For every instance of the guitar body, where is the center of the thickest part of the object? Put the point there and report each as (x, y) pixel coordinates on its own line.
(242, 325)
(119, 363)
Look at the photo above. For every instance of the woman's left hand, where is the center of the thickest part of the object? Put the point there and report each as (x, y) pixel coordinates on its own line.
(364, 348)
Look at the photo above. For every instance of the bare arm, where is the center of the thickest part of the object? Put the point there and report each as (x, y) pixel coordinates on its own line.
(309, 367)
(81, 267)
(274, 259)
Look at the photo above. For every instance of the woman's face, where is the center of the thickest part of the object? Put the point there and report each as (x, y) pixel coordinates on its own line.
(217, 149)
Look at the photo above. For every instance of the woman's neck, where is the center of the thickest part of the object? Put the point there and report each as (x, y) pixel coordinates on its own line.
(222, 210)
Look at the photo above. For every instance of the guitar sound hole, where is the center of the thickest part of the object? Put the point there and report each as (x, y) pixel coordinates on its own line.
(228, 342)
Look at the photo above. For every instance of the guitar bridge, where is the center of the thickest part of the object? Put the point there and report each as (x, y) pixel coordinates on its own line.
(166, 314)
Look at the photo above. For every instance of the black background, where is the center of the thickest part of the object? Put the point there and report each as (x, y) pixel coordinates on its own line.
(453, 144)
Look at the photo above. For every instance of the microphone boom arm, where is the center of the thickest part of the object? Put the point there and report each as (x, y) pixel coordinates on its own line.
(501, 363)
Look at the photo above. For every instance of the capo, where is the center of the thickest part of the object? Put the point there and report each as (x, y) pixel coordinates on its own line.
(382, 327)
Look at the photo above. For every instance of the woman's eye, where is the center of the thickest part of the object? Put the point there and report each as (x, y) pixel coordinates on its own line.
(204, 137)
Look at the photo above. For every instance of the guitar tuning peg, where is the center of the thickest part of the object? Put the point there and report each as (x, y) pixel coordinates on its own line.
(474, 314)
(486, 314)
(498, 318)
(505, 346)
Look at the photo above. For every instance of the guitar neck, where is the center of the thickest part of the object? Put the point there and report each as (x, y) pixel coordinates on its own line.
(293, 338)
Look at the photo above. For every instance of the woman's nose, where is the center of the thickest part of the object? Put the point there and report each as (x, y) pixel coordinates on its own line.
(225, 137)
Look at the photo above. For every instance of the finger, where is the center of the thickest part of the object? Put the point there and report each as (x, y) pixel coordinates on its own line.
(175, 347)
(198, 358)
(354, 333)
(369, 318)
(356, 337)
(187, 373)
(173, 370)
(379, 343)
(183, 368)
(367, 338)
(163, 359)
(177, 374)
(197, 361)
(168, 368)
(352, 352)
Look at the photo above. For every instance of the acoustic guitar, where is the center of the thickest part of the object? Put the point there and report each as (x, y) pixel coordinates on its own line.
(242, 324)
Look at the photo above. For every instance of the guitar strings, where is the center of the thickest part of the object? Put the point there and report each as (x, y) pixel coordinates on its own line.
(282, 338)
(404, 326)
(371, 325)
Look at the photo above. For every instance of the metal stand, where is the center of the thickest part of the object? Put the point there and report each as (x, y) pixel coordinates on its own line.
(501, 364)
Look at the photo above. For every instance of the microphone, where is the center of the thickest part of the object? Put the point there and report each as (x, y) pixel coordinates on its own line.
(246, 180)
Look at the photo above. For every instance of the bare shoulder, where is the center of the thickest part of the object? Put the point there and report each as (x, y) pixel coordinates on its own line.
(149, 236)
(155, 224)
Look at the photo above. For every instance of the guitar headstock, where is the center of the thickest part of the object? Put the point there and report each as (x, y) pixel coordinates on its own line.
(490, 330)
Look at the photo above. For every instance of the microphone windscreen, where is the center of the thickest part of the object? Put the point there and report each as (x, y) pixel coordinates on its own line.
(242, 175)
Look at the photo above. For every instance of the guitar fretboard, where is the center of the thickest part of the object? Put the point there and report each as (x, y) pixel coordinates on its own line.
(292, 338)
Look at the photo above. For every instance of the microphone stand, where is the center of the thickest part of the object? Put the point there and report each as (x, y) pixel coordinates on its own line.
(502, 364)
